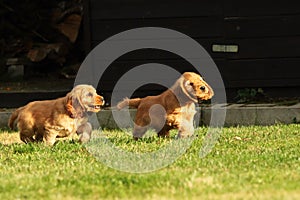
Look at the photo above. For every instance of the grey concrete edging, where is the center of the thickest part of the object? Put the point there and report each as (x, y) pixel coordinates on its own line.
(236, 114)
(256, 114)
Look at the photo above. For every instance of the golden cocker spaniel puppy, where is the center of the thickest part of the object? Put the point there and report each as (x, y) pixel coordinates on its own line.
(62, 117)
(173, 109)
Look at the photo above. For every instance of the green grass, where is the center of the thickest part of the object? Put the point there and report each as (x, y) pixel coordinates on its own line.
(246, 163)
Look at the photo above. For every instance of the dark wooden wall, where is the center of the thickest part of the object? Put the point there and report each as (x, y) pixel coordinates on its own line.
(267, 34)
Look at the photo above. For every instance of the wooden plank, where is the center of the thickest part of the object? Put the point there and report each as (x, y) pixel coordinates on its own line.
(248, 48)
(132, 9)
(261, 8)
(235, 73)
(250, 27)
(261, 73)
(120, 67)
(87, 31)
(262, 83)
(194, 27)
(18, 99)
(266, 32)
(150, 54)
(268, 47)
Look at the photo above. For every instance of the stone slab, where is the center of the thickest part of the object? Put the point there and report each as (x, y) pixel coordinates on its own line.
(254, 114)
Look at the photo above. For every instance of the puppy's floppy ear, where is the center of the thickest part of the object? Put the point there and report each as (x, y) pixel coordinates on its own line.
(69, 105)
(187, 75)
(188, 86)
(76, 94)
(187, 83)
(74, 105)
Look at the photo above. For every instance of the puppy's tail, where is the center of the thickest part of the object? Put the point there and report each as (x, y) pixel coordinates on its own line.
(13, 117)
(134, 103)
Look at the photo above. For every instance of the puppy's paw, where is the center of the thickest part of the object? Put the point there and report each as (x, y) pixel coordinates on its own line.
(84, 137)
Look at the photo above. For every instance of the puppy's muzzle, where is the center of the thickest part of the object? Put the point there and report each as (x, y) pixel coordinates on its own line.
(99, 101)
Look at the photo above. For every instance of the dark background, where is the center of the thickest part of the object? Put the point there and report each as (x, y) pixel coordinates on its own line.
(267, 33)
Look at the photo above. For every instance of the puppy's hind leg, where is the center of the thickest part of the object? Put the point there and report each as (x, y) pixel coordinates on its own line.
(26, 131)
(164, 132)
(38, 136)
(141, 124)
(26, 136)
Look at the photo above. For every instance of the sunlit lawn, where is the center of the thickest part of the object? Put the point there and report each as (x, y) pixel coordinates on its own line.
(246, 163)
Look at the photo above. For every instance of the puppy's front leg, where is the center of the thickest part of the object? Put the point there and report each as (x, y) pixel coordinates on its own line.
(186, 129)
(50, 137)
(84, 131)
(138, 132)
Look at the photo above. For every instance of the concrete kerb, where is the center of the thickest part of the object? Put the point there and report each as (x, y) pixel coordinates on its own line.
(255, 114)
(236, 114)
(4, 116)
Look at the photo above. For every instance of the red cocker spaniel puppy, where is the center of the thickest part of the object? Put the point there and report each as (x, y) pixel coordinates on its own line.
(173, 109)
(62, 117)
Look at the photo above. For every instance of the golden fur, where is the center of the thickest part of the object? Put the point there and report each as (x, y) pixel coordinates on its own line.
(62, 117)
(178, 103)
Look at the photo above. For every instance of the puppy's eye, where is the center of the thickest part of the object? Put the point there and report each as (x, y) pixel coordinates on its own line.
(191, 84)
(89, 94)
(202, 88)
